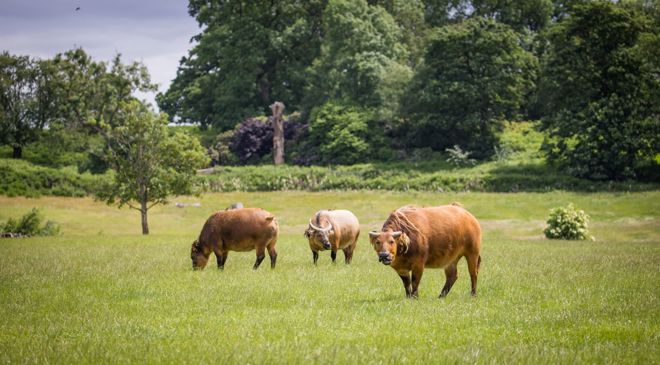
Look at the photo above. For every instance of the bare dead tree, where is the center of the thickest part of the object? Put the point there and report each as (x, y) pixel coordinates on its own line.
(278, 132)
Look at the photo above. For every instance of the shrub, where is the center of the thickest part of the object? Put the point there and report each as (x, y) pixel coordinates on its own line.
(568, 223)
(458, 157)
(21, 178)
(253, 138)
(429, 175)
(30, 225)
(220, 152)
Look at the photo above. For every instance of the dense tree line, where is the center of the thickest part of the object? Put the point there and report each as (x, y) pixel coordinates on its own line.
(368, 80)
(372, 77)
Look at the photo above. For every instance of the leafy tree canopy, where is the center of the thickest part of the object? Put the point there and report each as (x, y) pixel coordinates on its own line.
(27, 99)
(361, 49)
(249, 54)
(601, 87)
(475, 75)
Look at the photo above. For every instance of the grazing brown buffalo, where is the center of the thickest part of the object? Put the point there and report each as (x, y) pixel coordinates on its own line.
(239, 230)
(333, 230)
(413, 238)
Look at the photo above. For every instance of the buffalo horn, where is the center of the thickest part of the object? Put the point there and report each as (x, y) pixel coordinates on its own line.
(317, 228)
(396, 234)
(374, 234)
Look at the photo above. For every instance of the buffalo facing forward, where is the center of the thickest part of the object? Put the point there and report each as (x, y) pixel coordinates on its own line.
(413, 238)
(243, 229)
(333, 230)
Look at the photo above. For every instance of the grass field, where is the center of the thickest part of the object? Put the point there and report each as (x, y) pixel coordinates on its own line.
(101, 292)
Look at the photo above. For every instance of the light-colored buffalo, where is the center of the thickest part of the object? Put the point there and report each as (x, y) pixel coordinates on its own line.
(333, 230)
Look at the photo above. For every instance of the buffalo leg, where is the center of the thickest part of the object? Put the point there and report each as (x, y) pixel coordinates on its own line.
(315, 256)
(222, 259)
(348, 253)
(451, 274)
(333, 255)
(405, 278)
(261, 254)
(416, 278)
(473, 267)
(221, 256)
(273, 254)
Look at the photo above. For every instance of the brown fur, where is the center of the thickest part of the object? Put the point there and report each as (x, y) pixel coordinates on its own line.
(243, 229)
(433, 237)
(342, 236)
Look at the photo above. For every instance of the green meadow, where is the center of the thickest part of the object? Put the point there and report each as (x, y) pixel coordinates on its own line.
(102, 292)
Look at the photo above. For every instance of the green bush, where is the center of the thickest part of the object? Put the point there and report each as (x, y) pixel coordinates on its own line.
(30, 225)
(458, 157)
(434, 175)
(21, 178)
(568, 223)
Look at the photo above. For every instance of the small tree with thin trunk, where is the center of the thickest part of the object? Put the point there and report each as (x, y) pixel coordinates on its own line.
(149, 163)
(278, 132)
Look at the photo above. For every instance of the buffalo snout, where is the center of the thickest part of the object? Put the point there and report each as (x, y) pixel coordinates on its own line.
(326, 245)
(385, 258)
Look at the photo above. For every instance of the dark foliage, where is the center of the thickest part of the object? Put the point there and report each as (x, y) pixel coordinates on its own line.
(253, 138)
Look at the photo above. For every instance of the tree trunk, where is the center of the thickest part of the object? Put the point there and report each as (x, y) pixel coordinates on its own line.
(143, 214)
(144, 209)
(278, 132)
(18, 152)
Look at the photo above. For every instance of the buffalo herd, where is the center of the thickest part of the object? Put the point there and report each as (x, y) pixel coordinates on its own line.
(411, 239)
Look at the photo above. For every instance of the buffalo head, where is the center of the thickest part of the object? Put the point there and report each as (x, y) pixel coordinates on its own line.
(199, 255)
(319, 235)
(388, 244)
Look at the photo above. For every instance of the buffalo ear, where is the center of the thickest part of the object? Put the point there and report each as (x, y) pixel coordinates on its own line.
(404, 242)
(306, 233)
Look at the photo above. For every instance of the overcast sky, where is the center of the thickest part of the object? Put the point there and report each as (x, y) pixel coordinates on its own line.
(155, 32)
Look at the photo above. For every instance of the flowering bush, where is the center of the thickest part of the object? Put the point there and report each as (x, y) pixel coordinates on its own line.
(568, 223)
(458, 157)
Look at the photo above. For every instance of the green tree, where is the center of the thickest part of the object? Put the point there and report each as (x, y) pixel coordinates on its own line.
(341, 132)
(92, 93)
(361, 48)
(475, 75)
(601, 89)
(27, 100)
(521, 15)
(248, 55)
(149, 163)
(409, 16)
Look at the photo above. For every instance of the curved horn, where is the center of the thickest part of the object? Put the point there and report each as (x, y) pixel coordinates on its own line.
(396, 234)
(319, 229)
(374, 234)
